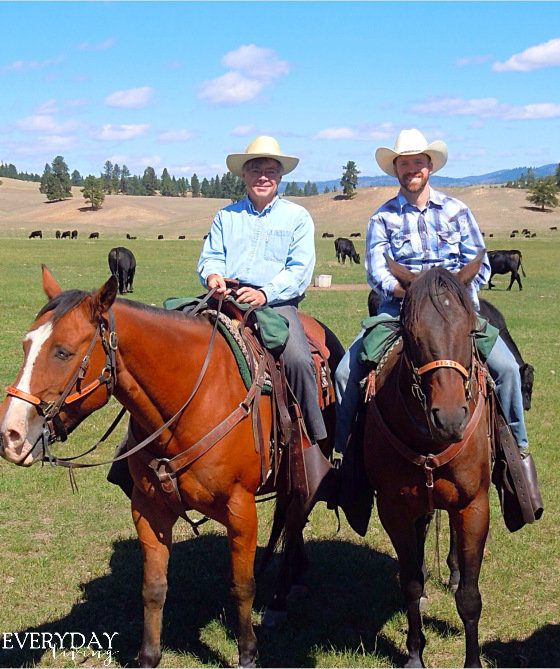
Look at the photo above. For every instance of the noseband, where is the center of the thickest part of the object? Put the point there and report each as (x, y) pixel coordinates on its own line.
(53, 427)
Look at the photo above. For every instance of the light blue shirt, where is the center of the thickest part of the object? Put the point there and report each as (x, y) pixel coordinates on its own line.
(273, 250)
(444, 234)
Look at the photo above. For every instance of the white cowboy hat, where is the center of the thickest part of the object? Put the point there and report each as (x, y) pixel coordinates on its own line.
(411, 142)
(260, 147)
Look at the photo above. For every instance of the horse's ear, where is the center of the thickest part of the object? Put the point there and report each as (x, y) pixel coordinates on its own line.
(467, 273)
(50, 285)
(103, 298)
(404, 276)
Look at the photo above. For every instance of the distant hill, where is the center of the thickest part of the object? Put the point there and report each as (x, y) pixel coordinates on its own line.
(492, 178)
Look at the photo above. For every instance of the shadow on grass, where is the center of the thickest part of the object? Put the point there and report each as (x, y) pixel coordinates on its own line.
(541, 649)
(334, 616)
(353, 593)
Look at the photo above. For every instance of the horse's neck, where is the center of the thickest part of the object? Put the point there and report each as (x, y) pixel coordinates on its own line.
(156, 354)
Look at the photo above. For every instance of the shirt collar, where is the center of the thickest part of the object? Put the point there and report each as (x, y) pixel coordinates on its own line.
(435, 199)
(252, 209)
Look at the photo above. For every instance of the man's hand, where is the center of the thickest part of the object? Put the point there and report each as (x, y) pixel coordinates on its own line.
(219, 283)
(252, 296)
(398, 291)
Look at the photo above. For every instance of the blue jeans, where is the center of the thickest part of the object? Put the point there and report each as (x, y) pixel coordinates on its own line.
(501, 364)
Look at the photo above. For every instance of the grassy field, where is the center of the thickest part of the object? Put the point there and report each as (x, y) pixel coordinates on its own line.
(71, 562)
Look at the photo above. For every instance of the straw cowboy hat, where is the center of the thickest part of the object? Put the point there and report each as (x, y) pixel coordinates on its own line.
(261, 147)
(410, 142)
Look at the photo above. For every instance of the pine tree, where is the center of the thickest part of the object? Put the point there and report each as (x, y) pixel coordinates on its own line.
(544, 193)
(124, 186)
(55, 182)
(93, 191)
(150, 181)
(349, 180)
(166, 184)
(107, 177)
(76, 179)
(195, 186)
(115, 178)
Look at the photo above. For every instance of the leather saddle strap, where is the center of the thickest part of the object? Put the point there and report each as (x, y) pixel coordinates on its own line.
(429, 461)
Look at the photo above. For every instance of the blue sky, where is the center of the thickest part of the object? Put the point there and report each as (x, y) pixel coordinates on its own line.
(182, 84)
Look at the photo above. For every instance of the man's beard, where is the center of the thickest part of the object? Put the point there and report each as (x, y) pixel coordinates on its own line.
(413, 188)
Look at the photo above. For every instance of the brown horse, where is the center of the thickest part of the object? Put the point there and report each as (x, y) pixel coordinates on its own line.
(426, 442)
(84, 346)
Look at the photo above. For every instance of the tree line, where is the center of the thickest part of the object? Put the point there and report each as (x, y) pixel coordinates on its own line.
(56, 183)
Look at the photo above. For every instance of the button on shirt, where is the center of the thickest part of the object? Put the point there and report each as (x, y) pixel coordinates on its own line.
(273, 250)
(444, 234)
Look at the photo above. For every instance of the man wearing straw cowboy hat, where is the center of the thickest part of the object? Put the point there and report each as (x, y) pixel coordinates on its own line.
(267, 244)
(422, 228)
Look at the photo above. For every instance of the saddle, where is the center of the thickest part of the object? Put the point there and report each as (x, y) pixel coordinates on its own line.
(295, 464)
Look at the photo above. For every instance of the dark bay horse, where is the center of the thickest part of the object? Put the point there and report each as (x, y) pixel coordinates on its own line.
(84, 346)
(426, 443)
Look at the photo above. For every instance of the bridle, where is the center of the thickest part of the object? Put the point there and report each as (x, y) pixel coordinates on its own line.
(53, 428)
(430, 462)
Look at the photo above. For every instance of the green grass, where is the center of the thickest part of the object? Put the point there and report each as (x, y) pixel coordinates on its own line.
(71, 562)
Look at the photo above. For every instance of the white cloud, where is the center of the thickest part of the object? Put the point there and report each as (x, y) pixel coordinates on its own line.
(133, 98)
(486, 108)
(47, 107)
(251, 68)
(258, 62)
(546, 54)
(45, 144)
(471, 60)
(244, 130)
(106, 44)
(117, 132)
(175, 136)
(360, 133)
(44, 123)
(23, 65)
(230, 89)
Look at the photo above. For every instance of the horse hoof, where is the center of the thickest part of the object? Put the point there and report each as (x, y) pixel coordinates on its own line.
(149, 658)
(453, 587)
(423, 604)
(297, 592)
(273, 619)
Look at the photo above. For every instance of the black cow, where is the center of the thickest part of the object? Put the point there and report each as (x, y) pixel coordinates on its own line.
(94, 235)
(526, 371)
(122, 264)
(205, 236)
(344, 247)
(57, 234)
(65, 234)
(74, 234)
(129, 236)
(502, 262)
(181, 236)
(160, 236)
(489, 311)
(355, 234)
(36, 234)
(325, 235)
(553, 227)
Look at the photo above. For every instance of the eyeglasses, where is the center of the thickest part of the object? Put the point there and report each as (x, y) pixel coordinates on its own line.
(269, 173)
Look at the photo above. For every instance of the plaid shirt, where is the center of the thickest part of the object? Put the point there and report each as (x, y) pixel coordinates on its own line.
(444, 234)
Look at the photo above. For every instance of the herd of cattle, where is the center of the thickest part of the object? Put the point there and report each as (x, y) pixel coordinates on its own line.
(73, 234)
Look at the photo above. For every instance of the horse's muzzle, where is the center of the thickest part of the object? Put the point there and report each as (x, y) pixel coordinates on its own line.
(449, 426)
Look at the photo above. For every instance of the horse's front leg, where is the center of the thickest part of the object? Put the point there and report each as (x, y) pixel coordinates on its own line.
(453, 560)
(154, 525)
(471, 527)
(242, 541)
(403, 534)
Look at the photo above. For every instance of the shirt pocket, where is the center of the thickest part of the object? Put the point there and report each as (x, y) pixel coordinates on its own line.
(277, 245)
(402, 246)
(448, 242)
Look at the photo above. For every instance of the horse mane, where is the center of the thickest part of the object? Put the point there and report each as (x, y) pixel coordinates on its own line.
(67, 300)
(63, 303)
(434, 285)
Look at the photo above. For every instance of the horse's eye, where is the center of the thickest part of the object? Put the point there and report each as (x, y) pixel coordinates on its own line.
(62, 354)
